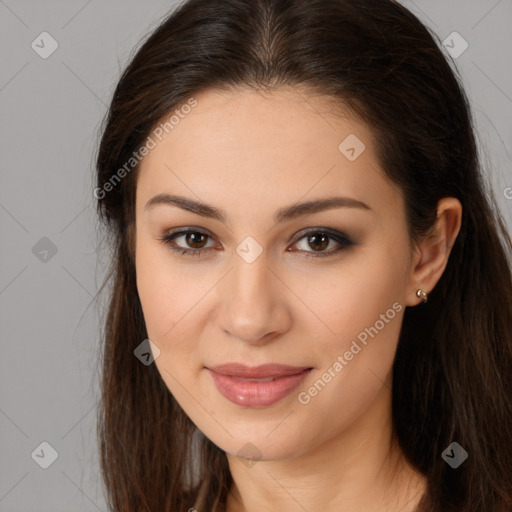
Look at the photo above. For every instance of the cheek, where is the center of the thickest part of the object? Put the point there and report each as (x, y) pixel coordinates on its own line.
(167, 301)
(174, 298)
(157, 296)
(364, 308)
(166, 294)
(355, 295)
(363, 305)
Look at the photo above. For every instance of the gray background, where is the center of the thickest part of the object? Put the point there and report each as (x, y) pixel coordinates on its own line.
(50, 111)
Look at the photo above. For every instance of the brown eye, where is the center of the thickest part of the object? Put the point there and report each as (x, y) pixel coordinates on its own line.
(187, 243)
(318, 241)
(195, 239)
(193, 242)
(313, 243)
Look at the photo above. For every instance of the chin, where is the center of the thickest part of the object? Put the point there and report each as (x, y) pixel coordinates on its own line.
(255, 444)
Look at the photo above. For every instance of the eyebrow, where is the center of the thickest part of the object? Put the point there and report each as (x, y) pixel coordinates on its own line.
(283, 214)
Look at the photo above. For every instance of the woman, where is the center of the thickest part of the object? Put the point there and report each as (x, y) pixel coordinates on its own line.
(311, 302)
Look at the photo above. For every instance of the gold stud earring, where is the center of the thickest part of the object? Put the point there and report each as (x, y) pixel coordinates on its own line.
(422, 295)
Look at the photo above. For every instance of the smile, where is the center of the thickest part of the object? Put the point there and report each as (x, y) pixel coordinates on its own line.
(257, 387)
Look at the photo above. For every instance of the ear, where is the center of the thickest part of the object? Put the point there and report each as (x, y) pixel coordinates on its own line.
(431, 254)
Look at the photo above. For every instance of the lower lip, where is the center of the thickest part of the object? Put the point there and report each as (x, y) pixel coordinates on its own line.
(257, 394)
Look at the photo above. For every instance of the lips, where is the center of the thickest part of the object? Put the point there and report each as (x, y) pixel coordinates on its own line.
(257, 372)
(258, 386)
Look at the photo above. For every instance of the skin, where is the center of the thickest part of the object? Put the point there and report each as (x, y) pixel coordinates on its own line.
(250, 154)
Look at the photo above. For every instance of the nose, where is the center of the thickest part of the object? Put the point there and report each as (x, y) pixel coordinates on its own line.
(253, 302)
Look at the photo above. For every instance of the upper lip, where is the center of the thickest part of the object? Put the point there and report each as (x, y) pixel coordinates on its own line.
(257, 372)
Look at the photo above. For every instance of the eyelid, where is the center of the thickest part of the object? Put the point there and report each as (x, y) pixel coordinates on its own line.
(342, 239)
(177, 233)
(338, 236)
(334, 233)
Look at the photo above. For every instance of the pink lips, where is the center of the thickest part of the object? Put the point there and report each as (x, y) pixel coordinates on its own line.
(258, 386)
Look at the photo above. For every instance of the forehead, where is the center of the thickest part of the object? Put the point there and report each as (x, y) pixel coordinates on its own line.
(243, 147)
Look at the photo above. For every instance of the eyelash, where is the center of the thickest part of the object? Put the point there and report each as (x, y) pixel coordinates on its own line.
(337, 236)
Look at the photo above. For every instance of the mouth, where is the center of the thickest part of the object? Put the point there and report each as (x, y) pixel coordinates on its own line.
(259, 386)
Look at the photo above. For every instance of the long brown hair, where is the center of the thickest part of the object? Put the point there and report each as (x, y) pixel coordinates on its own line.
(452, 376)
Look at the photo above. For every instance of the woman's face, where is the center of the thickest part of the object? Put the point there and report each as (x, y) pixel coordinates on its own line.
(268, 281)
